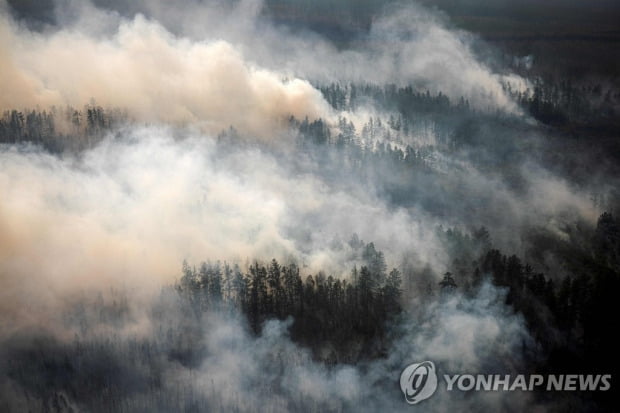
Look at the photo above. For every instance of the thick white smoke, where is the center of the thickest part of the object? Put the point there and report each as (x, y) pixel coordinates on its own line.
(215, 66)
(131, 209)
(153, 74)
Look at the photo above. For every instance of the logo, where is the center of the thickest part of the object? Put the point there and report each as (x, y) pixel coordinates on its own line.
(418, 381)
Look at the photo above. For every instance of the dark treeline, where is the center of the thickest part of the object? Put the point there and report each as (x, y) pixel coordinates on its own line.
(58, 130)
(406, 100)
(348, 317)
(576, 120)
(567, 104)
(568, 315)
(397, 153)
(551, 101)
(408, 148)
(571, 109)
(340, 321)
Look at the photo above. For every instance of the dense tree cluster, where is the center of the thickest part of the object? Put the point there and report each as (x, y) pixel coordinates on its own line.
(566, 104)
(567, 315)
(327, 311)
(57, 129)
(407, 101)
(338, 320)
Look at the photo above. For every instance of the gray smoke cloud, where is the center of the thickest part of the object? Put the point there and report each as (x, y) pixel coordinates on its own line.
(131, 209)
(242, 372)
(459, 335)
(126, 212)
(154, 75)
(214, 65)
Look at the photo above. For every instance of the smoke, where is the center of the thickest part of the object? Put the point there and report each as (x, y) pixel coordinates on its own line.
(459, 335)
(156, 76)
(128, 211)
(234, 370)
(214, 66)
(131, 209)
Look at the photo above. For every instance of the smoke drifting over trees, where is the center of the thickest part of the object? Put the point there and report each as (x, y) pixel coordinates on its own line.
(278, 206)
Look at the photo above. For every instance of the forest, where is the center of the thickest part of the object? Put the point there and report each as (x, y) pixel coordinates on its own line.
(280, 205)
